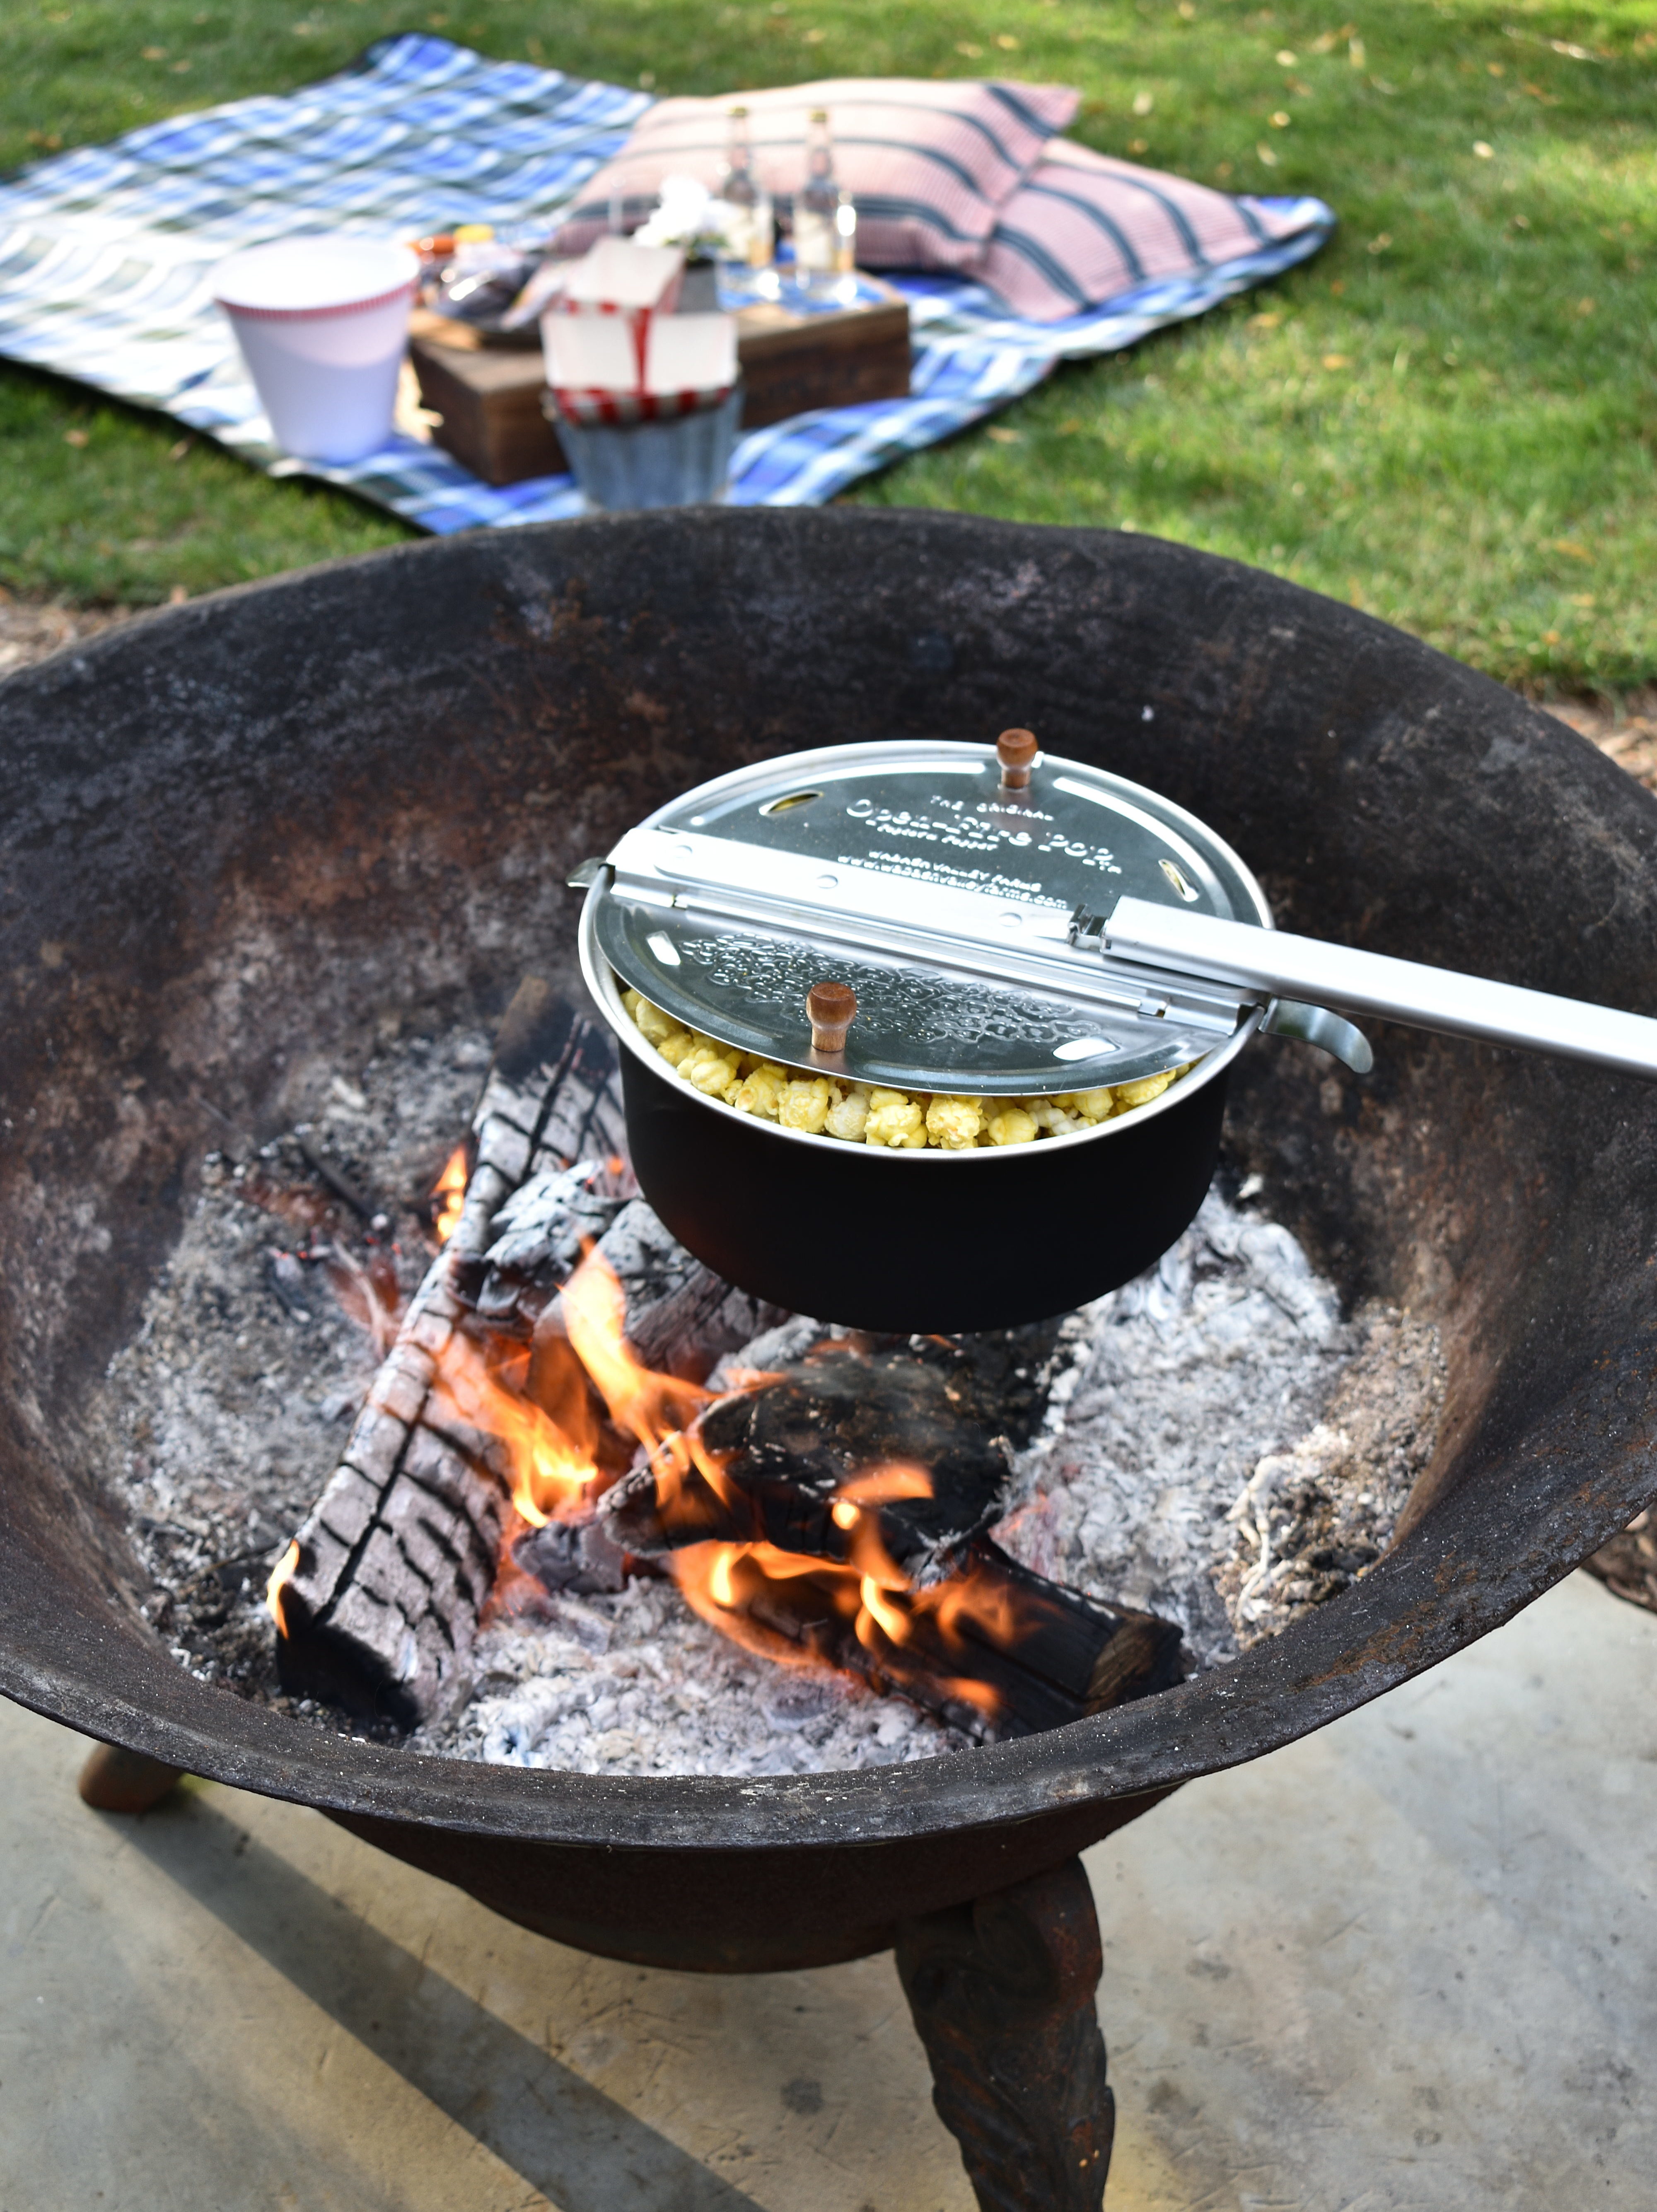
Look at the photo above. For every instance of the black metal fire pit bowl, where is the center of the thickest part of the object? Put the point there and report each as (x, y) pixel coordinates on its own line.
(239, 831)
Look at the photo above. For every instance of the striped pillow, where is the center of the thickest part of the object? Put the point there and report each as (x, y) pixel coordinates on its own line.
(930, 165)
(1083, 227)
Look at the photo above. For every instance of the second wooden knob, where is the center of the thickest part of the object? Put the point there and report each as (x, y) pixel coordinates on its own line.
(831, 1008)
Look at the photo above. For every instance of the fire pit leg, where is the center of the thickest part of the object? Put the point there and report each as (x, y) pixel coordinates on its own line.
(1002, 1992)
(117, 1781)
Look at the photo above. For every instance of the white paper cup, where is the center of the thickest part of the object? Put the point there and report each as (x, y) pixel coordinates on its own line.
(322, 323)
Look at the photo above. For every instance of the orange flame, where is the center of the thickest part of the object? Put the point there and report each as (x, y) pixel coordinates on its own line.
(552, 1469)
(725, 1582)
(283, 1573)
(450, 1193)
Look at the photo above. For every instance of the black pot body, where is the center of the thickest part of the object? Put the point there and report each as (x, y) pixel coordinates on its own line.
(918, 1242)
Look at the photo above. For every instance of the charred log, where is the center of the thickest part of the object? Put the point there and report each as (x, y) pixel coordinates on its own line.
(392, 1570)
(990, 1647)
(889, 1425)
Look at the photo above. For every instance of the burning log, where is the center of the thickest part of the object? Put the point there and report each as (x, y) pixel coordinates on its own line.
(378, 1598)
(990, 1647)
(837, 1514)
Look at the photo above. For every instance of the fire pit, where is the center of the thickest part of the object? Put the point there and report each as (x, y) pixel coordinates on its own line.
(242, 831)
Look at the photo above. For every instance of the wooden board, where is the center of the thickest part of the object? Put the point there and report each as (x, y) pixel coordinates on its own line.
(489, 395)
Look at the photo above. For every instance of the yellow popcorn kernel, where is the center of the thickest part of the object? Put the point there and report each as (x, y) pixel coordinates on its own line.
(848, 1112)
(710, 1067)
(652, 1021)
(804, 1104)
(895, 1120)
(761, 1091)
(674, 1048)
(1141, 1093)
(1011, 1125)
(1089, 1106)
(954, 1123)
(633, 1000)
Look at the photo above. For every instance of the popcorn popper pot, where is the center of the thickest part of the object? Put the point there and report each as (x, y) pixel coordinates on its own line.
(923, 921)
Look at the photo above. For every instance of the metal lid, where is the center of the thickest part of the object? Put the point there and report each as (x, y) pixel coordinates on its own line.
(959, 906)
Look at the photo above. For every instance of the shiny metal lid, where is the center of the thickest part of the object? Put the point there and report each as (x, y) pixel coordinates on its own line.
(962, 909)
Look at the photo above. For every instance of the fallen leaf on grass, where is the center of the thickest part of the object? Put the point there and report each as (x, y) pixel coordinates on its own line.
(1584, 306)
(1578, 552)
(1143, 103)
(1265, 154)
(1006, 41)
(1280, 121)
(155, 53)
(1380, 243)
(1266, 322)
(1582, 599)
(1338, 360)
(1005, 437)
(971, 52)
(1485, 151)
(177, 453)
(1138, 145)
(76, 437)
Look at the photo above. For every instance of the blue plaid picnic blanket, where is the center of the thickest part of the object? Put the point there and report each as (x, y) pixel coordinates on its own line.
(106, 256)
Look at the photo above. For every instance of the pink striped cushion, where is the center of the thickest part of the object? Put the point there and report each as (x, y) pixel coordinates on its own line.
(1083, 227)
(930, 164)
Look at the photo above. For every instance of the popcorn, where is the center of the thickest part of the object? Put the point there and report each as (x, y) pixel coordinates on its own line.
(954, 1123)
(804, 1104)
(848, 1116)
(761, 1091)
(1012, 1126)
(895, 1120)
(1142, 1093)
(859, 1113)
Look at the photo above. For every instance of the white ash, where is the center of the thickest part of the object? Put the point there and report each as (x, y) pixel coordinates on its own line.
(217, 1423)
(1220, 1448)
(637, 1683)
(1224, 1449)
(1217, 1405)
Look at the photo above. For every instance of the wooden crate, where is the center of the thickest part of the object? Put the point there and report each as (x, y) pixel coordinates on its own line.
(489, 396)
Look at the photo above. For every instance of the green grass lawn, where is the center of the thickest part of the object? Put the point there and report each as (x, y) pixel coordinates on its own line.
(1447, 417)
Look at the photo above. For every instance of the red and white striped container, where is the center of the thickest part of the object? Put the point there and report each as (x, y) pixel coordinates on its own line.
(322, 323)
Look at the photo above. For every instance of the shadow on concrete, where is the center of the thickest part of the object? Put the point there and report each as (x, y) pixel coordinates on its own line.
(556, 2132)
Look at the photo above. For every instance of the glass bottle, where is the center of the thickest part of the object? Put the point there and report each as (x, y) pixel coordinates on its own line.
(748, 225)
(825, 221)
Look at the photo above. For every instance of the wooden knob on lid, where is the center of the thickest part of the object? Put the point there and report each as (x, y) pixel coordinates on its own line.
(1015, 750)
(831, 1008)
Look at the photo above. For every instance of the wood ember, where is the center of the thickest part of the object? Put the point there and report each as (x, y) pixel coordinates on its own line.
(1021, 1655)
(398, 1560)
(982, 1642)
(789, 1448)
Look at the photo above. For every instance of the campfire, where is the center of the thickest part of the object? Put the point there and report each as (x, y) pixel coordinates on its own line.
(576, 1426)
(571, 1402)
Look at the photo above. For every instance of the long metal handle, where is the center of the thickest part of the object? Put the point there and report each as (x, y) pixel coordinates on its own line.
(1279, 965)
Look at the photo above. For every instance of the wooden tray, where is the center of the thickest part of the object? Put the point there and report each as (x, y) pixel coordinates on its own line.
(489, 395)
